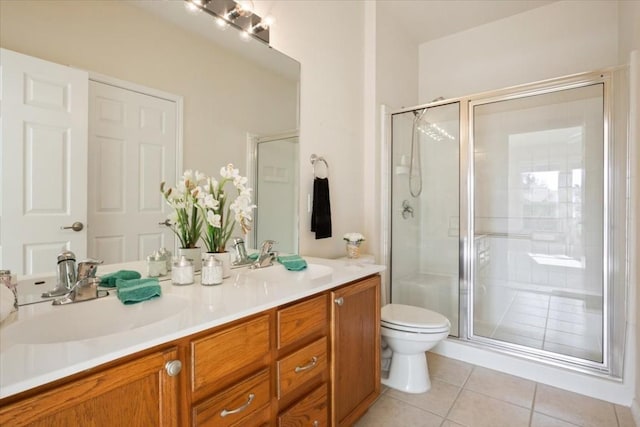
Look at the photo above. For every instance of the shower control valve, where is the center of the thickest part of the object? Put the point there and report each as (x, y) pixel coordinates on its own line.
(406, 209)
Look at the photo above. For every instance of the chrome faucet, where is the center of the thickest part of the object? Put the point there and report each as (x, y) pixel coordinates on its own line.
(241, 252)
(85, 286)
(84, 290)
(66, 275)
(265, 256)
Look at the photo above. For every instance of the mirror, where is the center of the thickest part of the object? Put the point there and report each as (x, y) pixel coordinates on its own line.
(233, 91)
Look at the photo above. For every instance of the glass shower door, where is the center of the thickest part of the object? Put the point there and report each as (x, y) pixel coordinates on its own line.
(539, 209)
(425, 209)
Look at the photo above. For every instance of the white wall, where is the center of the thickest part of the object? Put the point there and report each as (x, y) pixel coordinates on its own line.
(327, 37)
(629, 41)
(562, 38)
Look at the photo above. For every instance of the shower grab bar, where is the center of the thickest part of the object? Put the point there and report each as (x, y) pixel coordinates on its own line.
(319, 159)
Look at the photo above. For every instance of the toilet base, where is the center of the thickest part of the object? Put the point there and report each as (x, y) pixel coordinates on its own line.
(408, 373)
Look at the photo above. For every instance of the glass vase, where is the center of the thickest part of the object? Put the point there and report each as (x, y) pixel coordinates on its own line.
(353, 250)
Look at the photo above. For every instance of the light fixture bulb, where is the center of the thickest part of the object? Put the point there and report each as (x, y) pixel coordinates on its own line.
(222, 24)
(268, 21)
(245, 36)
(191, 6)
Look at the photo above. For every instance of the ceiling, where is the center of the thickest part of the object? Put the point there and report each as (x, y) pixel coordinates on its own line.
(426, 20)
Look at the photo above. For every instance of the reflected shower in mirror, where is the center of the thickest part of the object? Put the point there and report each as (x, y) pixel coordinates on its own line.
(275, 177)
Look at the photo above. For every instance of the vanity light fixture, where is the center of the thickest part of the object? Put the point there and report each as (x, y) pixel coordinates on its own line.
(235, 13)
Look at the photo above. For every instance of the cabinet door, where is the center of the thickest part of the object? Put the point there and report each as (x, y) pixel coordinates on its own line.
(136, 393)
(356, 349)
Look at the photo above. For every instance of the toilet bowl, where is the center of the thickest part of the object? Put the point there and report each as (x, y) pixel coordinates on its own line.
(411, 331)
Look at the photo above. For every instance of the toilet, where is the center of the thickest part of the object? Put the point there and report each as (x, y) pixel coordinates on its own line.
(411, 331)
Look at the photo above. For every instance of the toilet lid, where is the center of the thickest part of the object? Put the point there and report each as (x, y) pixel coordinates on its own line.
(414, 317)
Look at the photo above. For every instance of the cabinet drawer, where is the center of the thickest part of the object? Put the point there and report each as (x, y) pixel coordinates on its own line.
(248, 401)
(302, 366)
(220, 354)
(302, 320)
(310, 411)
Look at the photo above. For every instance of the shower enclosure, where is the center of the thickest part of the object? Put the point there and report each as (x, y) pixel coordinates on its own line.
(508, 217)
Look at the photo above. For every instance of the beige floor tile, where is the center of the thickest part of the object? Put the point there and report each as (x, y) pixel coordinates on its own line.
(448, 370)
(541, 420)
(477, 410)
(389, 412)
(437, 400)
(625, 418)
(448, 423)
(574, 408)
(502, 386)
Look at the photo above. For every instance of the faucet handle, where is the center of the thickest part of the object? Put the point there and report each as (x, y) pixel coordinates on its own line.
(266, 246)
(88, 268)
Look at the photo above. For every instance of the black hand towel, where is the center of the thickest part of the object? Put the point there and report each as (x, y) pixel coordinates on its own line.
(321, 212)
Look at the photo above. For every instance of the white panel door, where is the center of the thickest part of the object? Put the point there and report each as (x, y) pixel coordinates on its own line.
(44, 154)
(132, 148)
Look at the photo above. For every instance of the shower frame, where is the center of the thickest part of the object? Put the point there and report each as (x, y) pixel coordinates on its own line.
(611, 316)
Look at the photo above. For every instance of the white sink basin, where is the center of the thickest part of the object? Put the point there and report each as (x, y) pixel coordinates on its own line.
(91, 319)
(277, 273)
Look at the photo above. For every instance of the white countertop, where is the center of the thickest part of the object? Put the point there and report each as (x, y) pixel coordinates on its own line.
(180, 311)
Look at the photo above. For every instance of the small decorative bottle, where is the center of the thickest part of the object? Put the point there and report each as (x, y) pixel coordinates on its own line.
(182, 272)
(156, 265)
(166, 253)
(211, 271)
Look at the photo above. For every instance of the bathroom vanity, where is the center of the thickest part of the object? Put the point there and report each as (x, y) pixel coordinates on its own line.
(268, 347)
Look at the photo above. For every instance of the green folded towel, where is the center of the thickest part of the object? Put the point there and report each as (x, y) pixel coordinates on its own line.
(109, 280)
(292, 262)
(137, 290)
(253, 256)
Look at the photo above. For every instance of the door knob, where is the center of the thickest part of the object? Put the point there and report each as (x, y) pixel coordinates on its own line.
(339, 301)
(76, 226)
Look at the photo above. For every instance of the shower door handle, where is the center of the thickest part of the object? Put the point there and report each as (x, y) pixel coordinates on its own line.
(339, 301)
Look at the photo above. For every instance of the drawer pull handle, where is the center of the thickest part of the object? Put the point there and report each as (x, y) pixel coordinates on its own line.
(311, 364)
(316, 423)
(173, 367)
(339, 301)
(224, 412)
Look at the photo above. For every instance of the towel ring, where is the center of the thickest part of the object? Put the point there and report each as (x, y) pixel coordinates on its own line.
(319, 159)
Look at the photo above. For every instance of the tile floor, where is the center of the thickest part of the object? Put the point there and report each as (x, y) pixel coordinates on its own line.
(566, 324)
(466, 395)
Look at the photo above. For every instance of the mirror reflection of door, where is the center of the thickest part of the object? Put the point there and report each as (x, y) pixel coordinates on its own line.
(276, 192)
(132, 148)
(44, 143)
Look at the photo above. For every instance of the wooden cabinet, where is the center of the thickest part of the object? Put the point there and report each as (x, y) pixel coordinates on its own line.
(246, 403)
(138, 392)
(302, 364)
(355, 349)
(231, 374)
(314, 362)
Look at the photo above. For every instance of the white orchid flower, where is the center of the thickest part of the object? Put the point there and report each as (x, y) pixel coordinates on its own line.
(210, 202)
(213, 219)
